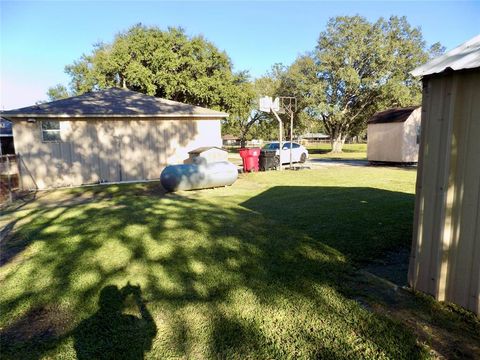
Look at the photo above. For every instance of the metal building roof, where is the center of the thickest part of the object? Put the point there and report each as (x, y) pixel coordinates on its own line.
(113, 102)
(465, 56)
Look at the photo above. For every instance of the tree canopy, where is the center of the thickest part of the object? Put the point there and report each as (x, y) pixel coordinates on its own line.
(58, 92)
(167, 64)
(358, 68)
(246, 121)
(279, 81)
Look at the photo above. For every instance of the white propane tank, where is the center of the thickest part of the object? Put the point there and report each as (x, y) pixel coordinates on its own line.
(198, 176)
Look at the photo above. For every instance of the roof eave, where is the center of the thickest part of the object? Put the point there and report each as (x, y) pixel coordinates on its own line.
(444, 72)
(165, 116)
(463, 57)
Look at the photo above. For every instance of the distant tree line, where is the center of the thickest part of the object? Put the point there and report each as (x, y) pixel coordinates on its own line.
(356, 69)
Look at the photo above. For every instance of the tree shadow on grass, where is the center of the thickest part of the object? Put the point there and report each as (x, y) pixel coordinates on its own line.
(373, 228)
(272, 272)
(110, 333)
(361, 223)
(318, 151)
(36, 332)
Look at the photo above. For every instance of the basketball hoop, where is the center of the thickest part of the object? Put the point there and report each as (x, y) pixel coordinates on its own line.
(267, 104)
(276, 104)
(281, 105)
(287, 105)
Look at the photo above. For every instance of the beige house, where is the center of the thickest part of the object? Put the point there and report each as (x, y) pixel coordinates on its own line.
(112, 135)
(445, 257)
(230, 140)
(393, 135)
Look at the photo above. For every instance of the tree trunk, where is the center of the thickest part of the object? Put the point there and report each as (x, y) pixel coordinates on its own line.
(337, 143)
(243, 142)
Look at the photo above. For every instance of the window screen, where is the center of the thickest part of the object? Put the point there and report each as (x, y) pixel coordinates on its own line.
(51, 131)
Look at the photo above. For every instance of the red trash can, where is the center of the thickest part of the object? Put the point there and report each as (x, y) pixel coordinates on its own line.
(250, 158)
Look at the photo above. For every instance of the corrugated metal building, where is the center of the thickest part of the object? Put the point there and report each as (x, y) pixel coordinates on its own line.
(112, 135)
(445, 258)
(393, 135)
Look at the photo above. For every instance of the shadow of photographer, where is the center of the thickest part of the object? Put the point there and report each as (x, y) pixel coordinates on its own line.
(110, 333)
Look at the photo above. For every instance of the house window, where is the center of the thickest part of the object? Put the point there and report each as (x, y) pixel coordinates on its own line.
(418, 134)
(51, 131)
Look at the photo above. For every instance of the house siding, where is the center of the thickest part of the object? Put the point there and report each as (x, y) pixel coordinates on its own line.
(109, 150)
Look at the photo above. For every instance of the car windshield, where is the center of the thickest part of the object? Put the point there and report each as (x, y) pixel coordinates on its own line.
(271, 146)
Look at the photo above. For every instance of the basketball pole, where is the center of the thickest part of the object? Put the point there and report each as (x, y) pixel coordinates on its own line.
(285, 104)
(291, 139)
(280, 131)
(290, 110)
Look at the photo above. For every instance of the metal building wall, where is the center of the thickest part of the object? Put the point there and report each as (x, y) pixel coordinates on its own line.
(445, 258)
(94, 150)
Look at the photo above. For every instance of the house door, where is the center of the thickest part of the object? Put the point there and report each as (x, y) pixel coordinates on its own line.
(110, 148)
(118, 158)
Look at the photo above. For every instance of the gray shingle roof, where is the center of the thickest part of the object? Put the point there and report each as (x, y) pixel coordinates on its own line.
(113, 102)
(465, 56)
(392, 115)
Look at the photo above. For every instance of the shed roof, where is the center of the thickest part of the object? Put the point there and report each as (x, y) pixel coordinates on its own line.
(392, 115)
(113, 102)
(205, 148)
(465, 56)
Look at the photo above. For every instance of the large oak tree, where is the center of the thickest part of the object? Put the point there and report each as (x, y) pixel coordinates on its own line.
(167, 64)
(358, 68)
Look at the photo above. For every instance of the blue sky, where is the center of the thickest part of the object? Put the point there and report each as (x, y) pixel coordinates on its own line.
(39, 38)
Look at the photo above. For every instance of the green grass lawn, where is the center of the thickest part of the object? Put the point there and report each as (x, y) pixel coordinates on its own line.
(266, 268)
(323, 151)
(350, 151)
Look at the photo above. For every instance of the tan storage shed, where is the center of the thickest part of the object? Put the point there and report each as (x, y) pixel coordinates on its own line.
(393, 135)
(113, 135)
(445, 257)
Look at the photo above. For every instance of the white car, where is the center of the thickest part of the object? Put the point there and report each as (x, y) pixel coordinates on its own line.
(299, 152)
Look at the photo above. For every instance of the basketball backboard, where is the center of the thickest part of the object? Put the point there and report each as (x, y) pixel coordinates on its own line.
(267, 104)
